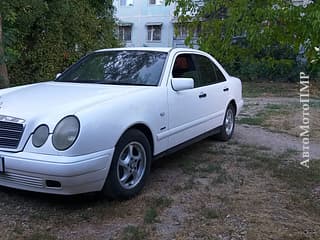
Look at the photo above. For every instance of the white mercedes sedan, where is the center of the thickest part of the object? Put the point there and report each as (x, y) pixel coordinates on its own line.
(99, 124)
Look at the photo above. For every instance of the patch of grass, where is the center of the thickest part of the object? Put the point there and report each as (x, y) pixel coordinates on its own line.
(85, 215)
(282, 117)
(189, 183)
(300, 179)
(155, 205)
(277, 89)
(303, 199)
(41, 216)
(315, 104)
(270, 111)
(18, 229)
(210, 213)
(160, 202)
(134, 233)
(212, 168)
(188, 166)
(292, 152)
(41, 236)
(251, 120)
(255, 159)
(150, 215)
(189, 162)
(299, 176)
(221, 174)
(217, 151)
(272, 89)
(16, 232)
(263, 148)
(275, 107)
(295, 236)
(223, 177)
(294, 173)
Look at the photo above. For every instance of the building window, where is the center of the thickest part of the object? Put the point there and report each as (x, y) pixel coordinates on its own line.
(155, 2)
(126, 3)
(125, 33)
(154, 32)
(181, 31)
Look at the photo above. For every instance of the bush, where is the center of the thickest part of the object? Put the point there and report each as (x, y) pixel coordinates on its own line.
(266, 69)
(42, 38)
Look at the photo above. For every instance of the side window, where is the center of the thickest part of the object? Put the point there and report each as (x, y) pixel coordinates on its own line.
(220, 76)
(184, 68)
(208, 71)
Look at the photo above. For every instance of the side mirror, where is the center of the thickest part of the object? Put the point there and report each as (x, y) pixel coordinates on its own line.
(179, 84)
(58, 75)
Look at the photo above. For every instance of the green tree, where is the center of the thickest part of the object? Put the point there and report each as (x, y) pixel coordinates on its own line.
(42, 38)
(4, 80)
(254, 38)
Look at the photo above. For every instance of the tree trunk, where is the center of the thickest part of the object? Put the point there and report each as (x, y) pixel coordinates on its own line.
(4, 80)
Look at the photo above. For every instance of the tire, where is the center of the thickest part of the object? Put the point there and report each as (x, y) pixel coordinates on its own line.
(130, 166)
(228, 124)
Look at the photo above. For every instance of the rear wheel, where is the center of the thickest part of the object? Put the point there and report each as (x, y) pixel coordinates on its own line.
(228, 124)
(130, 166)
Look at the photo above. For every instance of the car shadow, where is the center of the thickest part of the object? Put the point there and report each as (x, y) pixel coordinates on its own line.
(75, 202)
(177, 157)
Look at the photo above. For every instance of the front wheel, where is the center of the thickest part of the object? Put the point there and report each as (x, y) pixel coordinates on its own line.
(130, 166)
(228, 124)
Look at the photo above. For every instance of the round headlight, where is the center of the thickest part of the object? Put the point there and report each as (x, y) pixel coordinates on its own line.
(65, 133)
(40, 135)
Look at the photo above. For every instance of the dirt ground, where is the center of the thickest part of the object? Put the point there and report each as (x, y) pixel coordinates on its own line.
(249, 188)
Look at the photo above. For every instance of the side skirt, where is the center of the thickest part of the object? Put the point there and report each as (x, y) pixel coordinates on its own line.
(187, 143)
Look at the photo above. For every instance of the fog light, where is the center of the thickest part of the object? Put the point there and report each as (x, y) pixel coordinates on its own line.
(53, 184)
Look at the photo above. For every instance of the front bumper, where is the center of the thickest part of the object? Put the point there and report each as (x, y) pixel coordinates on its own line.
(72, 175)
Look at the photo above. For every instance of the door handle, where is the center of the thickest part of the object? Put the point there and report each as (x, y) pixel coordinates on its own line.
(226, 89)
(202, 95)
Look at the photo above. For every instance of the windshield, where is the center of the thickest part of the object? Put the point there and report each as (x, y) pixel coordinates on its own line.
(117, 67)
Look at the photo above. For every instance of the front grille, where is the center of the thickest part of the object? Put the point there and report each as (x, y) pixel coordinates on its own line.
(10, 134)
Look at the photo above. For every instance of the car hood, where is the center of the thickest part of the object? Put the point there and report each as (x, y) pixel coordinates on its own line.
(57, 98)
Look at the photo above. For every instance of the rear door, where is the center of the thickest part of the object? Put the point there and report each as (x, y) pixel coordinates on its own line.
(216, 87)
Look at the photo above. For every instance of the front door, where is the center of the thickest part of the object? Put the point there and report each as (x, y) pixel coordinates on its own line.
(198, 110)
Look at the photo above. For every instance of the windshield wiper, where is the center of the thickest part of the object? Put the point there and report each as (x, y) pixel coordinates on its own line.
(77, 81)
(124, 83)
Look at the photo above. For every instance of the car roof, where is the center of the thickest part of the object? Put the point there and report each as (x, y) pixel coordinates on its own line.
(155, 49)
(158, 49)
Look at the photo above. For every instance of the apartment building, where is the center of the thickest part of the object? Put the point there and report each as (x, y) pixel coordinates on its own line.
(145, 23)
(148, 23)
